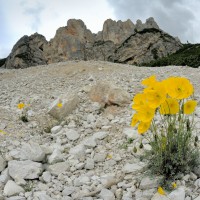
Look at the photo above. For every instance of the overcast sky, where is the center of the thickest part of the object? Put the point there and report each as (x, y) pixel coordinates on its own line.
(24, 17)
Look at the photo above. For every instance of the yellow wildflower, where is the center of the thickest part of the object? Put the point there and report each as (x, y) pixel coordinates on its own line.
(161, 191)
(156, 95)
(59, 105)
(189, 107)
(170, 106)
(138, 101)
(149, 81)
(21, 105)
(143, 127)
(145, 113)
(134, 120)
(178, 87)
(174, 185)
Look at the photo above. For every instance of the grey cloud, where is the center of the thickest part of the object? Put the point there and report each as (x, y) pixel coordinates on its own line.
(173, 16)
(34, 12)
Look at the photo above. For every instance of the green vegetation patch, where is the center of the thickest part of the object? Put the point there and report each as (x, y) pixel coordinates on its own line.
(188, 55)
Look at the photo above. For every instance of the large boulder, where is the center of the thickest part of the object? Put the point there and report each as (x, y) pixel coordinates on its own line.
(32, 151)
(28, 51)
(69, 103)
(24, 169)
(109, 94)
(11, 188)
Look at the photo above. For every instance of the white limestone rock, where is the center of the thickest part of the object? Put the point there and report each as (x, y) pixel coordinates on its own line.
(16, 198)
(32, 151)
(4, 177)
(100, 157)
(134, 168)
(81, 180)
(69, 103)
(106, 194)
(149, 183)
(46, 176)
(72, 134)
(178, 194)
(89, 142)
(11, 188)
(42, 195)
(24, 169)
(158, 196)
(100, 135)
(78, 151)
(58, 168)
(55, 157)
(131, 133)
(68, 190)
(56, 129)
(89, 164)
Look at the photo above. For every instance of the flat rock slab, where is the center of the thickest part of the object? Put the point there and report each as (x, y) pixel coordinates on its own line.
(72, 134)
(178, 194)
(158, 196)
(149, 183)
(109, 94)
(69, 103)
(107, 194)
(134, 168)
(32, 151)
(11, 188)
(58, 168)
(24, 169)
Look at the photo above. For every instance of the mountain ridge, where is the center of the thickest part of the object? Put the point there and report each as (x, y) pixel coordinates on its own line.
(123, 42)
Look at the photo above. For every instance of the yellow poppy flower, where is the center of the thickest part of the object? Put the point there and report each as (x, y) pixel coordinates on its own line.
(149, 81)
(145, 113)
(189, 107)
(59, 105)
(161, 191)
(134, 120)
(174, 185)
(156, 96)
(143, 127)
(170, 106)
(20, 105)
(178, 87)
(138, 101)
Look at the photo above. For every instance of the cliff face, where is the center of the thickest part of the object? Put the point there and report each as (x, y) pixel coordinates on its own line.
(28, 51)
(119, 41)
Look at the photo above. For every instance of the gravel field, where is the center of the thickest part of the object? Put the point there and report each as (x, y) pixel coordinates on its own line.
(39, 87)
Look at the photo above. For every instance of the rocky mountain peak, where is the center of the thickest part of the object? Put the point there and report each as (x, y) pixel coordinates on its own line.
(28, 51)
(117, 31)
(149, 24)
(78, 28)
